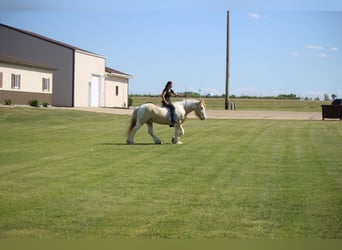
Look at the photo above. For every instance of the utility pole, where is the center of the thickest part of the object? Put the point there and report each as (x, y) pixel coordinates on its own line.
(227, 66)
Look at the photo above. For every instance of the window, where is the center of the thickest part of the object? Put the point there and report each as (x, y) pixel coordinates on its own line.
(116, 90)
(0, 80)
(46, 84)
(15, 81)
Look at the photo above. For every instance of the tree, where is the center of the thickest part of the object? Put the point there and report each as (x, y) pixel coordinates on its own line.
(326, 97)
(333, 96)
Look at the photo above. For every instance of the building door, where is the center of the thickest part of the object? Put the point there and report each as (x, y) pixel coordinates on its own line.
(94, 91)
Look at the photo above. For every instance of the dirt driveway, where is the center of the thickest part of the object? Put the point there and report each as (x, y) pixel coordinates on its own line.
(230, 114)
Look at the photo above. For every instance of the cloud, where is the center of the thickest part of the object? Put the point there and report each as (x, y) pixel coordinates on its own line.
(334, 49)
(204, 90)
(315, 47)
(254, 15)
(211, 91)
(323, 55)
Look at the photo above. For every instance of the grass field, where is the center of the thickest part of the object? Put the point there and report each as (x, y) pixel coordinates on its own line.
(249, 104)
(69, 174)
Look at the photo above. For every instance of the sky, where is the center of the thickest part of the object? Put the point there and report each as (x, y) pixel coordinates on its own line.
(275, 47)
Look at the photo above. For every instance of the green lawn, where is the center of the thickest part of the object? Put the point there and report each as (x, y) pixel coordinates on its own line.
(69, 174)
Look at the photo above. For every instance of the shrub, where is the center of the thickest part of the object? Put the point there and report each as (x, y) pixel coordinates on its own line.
(33, 103)
(130, 101)
(45, 104)
(8, 101)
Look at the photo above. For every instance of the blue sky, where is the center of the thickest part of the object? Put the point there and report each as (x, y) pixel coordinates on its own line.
(275, 47)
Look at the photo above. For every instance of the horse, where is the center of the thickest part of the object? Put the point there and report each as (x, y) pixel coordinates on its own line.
(149, 113)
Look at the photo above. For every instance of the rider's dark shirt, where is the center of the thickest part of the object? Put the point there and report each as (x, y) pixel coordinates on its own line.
(168, 95)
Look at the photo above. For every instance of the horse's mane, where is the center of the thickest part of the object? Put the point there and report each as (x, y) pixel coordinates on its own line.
(185, 101)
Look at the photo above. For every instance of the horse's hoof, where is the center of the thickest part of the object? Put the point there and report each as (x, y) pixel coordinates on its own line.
(175, 142)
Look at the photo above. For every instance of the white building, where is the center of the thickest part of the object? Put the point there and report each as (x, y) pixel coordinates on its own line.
(22, 81)
(79, 78)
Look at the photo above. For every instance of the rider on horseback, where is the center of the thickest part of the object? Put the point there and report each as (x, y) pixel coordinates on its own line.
(166, 101)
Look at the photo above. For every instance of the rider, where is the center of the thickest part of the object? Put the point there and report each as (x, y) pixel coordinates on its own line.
(166, 94)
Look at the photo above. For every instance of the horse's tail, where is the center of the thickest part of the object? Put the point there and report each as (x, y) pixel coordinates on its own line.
(133, 121)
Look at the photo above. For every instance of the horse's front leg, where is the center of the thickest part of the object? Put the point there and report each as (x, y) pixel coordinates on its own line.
(181, 130)
(150, 131)
(178, 132)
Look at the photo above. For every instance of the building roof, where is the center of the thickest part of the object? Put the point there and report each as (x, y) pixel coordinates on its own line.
(19, 61)
(116, 72)
(47, 39)
(108, 70)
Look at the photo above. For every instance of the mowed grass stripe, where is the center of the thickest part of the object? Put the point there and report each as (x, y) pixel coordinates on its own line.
(69, 174)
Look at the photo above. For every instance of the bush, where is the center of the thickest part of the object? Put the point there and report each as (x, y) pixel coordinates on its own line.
(8, 101)
(45, 104)
(130, 101)
(33, 103)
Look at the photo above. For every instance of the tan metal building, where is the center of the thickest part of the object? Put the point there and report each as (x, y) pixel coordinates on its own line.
(79, 78)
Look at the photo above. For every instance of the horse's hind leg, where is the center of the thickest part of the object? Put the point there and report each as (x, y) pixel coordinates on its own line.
(130, 139)
(150, 131)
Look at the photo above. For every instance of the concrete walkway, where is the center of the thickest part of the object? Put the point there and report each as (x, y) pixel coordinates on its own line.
(229, 114)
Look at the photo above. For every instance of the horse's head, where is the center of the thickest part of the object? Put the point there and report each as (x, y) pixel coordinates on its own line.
(200, 109)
